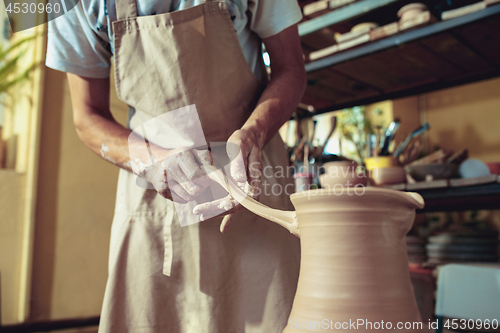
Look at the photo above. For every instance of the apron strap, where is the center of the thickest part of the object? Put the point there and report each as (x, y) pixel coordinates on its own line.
(126, 9)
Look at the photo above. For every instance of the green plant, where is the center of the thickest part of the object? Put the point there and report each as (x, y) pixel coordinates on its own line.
(355, 127)
(12, 72)
(10, 56)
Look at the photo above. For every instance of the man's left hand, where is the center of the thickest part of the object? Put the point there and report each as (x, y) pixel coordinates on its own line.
(245, 170)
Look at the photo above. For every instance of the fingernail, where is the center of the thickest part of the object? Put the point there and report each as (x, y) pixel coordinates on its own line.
(188, 170)
(239, 176)
(206, 168)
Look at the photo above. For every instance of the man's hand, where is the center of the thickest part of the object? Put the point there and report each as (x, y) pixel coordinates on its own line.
(244, 150)
(180, 176)
(246, 168)
(97, 128)
(276, 105)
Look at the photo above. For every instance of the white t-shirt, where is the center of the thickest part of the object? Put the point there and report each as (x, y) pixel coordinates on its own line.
(81, 42)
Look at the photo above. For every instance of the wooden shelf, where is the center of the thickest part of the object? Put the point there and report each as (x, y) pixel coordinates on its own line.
(440, 55)
(436, 56)
(457, 194)
(400, 39)
(340, 15)
(461, 198)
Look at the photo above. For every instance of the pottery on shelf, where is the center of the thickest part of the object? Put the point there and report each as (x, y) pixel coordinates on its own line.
(411, 10)
(472, 168)
(415, 247)
(342, 174)
(388, 175)
(364, 27)
(453, 247)
(434, 171)
(380, 162)
(303, 181)
(335, 165)
(494, 167)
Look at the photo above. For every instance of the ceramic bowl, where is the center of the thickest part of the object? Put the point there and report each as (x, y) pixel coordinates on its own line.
(328, 182)
(342, 173)
(364, 26)
(411, 10)
(380, 162)
(388, 175)
(437, 171)
(494, 167)
(339, 166)
(472, 168)
(303, 181)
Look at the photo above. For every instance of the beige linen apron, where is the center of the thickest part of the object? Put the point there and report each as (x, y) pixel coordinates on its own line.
(168, 278)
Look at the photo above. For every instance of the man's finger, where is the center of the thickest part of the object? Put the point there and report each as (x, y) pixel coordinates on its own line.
(207, 207)
(187, 163)
(176, 175)
(215, 208)
(177, 199)
(249, 190)
(255, 166)
(179, 190)
(190, 163)
(255, 169)
(226, 221)
(165, 192)
(237, 167)
(203, 156)
(203, 180)
(232, 150)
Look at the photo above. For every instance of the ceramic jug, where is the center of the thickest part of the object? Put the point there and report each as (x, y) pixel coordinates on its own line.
(354, 268)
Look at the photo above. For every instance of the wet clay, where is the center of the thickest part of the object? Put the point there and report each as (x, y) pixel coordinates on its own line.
(354, 266)
(353, 259)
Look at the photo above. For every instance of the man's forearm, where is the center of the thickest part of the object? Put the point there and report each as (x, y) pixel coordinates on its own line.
(106, 138)
(284, 92)
(278, 102)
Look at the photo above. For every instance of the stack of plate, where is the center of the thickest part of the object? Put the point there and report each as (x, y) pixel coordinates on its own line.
(415, 247)
(452, 248)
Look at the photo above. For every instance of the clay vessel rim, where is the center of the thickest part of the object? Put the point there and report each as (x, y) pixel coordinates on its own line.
(381, 158)
(339, 163)
(394, 167)
(411, 197)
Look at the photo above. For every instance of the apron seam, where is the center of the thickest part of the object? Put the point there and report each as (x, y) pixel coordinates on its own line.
(117, 46)
(134, 23)
(141, 213)
(241, 56)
